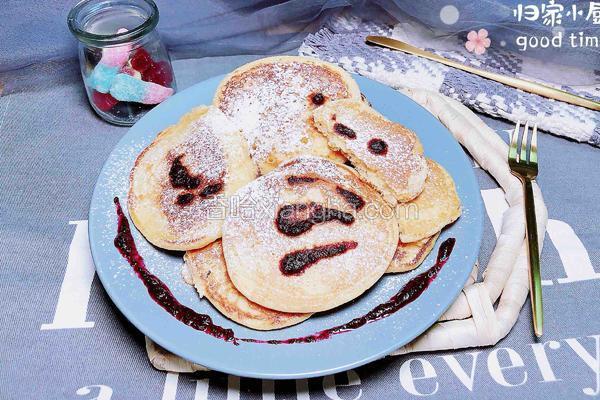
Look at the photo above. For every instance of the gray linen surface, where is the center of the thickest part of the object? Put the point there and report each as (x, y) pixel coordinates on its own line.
(52, 147)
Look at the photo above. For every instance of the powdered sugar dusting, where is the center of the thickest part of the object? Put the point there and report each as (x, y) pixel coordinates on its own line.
(400, 166)
(203, 145)
(119, 276)
(258, 237)
(115, 183)
(203, 155)
(271, 103)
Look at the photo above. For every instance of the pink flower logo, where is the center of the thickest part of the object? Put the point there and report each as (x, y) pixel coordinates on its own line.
(477, 42)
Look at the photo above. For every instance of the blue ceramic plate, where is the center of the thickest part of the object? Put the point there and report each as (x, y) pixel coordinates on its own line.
(340, 352)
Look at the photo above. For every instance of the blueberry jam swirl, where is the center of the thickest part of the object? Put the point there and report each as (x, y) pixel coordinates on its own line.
(184, 199)
(378, 147)
(344, 130)
(296, 219)
(181, 178)
(351, 198)
(158, 291)
(162, 295)
(211, 189)
(317, 99)
(295, 263)
(409, 293)
(300, 179)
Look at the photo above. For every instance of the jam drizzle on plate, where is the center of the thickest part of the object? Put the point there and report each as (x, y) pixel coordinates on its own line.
(157, 289)
(163, 296)
(409, 293)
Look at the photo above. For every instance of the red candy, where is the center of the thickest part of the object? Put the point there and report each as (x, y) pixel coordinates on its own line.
(159, 73)
(141, 60)
(104, 101)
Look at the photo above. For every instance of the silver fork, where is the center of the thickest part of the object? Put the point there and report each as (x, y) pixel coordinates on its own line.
(524, 166)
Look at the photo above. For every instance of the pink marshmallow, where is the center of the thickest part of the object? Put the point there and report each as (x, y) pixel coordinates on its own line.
(155, 93)
(116, 56)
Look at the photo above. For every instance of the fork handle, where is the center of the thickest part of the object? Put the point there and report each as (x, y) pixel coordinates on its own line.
(535, 278)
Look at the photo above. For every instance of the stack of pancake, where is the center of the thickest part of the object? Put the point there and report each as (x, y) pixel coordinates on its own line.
(290, 195)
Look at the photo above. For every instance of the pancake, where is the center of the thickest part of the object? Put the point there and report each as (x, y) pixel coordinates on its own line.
(180, 183)
(271, 99)
(308, 237)
(437, 206)
(208, 273)
(385, 153)
(409, 256)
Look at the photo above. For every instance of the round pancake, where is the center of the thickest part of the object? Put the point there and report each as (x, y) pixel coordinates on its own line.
(437, 206)
(272, 100)
(409, 256)
(308, 237)
(180, 183)
(386, 154)
(208, 273)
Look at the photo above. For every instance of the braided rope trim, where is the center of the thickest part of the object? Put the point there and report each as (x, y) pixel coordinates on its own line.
(472, 321)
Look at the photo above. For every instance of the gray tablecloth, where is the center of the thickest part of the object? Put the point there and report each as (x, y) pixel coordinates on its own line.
(62, 338)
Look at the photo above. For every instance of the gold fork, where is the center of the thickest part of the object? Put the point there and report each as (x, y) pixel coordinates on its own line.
(524, 166)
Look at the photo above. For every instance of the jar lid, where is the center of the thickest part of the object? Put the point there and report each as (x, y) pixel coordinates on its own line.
(97, 22)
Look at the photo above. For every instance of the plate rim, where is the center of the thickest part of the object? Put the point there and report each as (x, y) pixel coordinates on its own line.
(315, 372)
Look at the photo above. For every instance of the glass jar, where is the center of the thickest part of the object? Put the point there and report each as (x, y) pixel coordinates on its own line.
(125, 67)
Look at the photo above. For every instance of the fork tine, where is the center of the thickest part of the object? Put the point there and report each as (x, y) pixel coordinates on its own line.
(533, 151)
(512, 152)
(523, 156)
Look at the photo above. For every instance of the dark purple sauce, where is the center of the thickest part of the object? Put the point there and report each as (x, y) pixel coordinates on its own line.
(159, 292)
(344, 130)
(409, 293)
(295, 263)
(378, 147)
(317, 99)
(298, 179)
(163, 296)
(211, 189)
(296, 219)
(180, 176)
(184, 199)
(351, 198)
